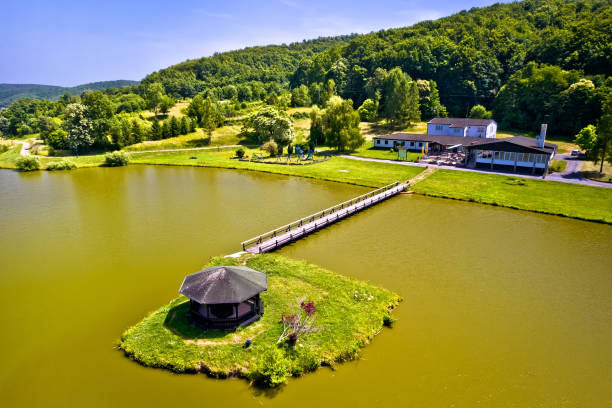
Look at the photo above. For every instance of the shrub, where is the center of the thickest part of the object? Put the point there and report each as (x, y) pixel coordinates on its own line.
(61, 165)
(271, 368)
(271, 147)
(3, 148)
(240, 153)
(116, 159)
(27, 163)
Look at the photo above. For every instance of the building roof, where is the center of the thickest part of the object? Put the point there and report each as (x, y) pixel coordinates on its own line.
(444, 140)
(512, 143)
(460, 122)
(224, 284)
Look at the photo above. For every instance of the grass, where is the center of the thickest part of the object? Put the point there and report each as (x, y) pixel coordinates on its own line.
(371, 129)
(369, 174)
(223, 136)
(166, 339)
(564, 145)
(7, 159)
(549, 197)
(557, 166)
(590, 170)
(368, 150)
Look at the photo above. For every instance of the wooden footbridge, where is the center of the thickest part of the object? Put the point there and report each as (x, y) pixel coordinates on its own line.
(297, 229)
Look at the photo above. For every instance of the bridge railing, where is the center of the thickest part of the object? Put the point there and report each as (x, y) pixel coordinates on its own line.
(313, 217)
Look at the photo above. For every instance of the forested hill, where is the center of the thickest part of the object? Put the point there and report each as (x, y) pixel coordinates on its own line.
(470, 55)
(12, 92)
(271, 64)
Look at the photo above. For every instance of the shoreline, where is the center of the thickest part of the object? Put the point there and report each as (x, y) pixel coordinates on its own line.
(373, 174)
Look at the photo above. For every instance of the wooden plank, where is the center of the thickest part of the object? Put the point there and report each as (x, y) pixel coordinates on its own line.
(295, 233)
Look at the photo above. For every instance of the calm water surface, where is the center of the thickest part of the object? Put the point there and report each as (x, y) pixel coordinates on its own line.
(501, 308)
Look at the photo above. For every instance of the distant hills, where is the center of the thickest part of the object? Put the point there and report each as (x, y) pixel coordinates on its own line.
(12, 92)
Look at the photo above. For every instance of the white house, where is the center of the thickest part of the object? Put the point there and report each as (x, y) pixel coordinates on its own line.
(483, 128)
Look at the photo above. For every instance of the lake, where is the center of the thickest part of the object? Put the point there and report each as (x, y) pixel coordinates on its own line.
(501, 307)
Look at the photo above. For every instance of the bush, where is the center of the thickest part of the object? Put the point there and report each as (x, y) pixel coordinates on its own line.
(27, 163)
(3, 148)
(116, 159)
(240, 153)
(272, 368)
(61, 165)
(271, 147)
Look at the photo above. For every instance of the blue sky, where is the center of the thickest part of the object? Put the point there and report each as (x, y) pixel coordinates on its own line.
(72, 42)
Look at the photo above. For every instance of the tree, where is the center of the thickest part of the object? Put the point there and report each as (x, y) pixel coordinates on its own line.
(195, 109)
(138, 132)
(78, 127)
(166, 131)
(100, 109)
(368, 111)
(401, 98)
(184, 127)
(299, 96)
(166, 103)
(429, 100)
(156, 130)
(341, 124)
(604, 129)
(175, 126)
(270, 123)
(316, 126)
(211, 118)
(327, 91)
(479, 112)
(154, 96)
(597, 141)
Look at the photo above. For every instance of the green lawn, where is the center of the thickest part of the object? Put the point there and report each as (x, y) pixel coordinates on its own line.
(369, 174)
(368, 150)
(550, 197)
(7, 159)
(349, 313)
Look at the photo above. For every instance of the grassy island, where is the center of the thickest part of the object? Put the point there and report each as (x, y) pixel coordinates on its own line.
(349, 314)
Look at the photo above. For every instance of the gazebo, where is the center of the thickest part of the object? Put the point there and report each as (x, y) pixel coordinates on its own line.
(225, 297)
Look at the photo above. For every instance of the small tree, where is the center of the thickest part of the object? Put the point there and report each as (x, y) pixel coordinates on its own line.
(480, 112)
(368, 111)
(78, 127)
(271, 147)
(316, 126)
(156, 130)
(341, 124)
(166, 103)
(154, 96)
(299, 323)
(270, 123)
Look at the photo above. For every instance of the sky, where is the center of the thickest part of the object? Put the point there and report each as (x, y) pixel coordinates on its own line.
(68, 43)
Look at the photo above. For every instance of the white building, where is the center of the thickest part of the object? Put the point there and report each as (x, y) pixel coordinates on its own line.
(513, 153)
(482, 128)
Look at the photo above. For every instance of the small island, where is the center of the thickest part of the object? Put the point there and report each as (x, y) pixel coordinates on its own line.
(339, 315)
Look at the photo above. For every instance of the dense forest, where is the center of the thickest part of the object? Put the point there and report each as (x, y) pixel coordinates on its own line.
(11, 92)
(524, 63)
(470, 56)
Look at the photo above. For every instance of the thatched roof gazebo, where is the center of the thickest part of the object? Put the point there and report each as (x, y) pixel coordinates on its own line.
(225, 297)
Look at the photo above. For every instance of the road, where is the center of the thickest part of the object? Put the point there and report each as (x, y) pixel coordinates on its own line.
(572, 175)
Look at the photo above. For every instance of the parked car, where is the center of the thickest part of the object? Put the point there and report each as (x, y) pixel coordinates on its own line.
(576, 153)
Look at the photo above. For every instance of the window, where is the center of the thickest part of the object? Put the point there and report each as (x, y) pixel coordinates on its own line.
(481, 129)
(438, 127)
(457, 130)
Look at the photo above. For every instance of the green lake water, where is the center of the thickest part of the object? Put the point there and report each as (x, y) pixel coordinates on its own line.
(502, 308)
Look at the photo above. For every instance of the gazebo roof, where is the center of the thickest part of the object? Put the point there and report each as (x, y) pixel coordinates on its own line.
(224, 284)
